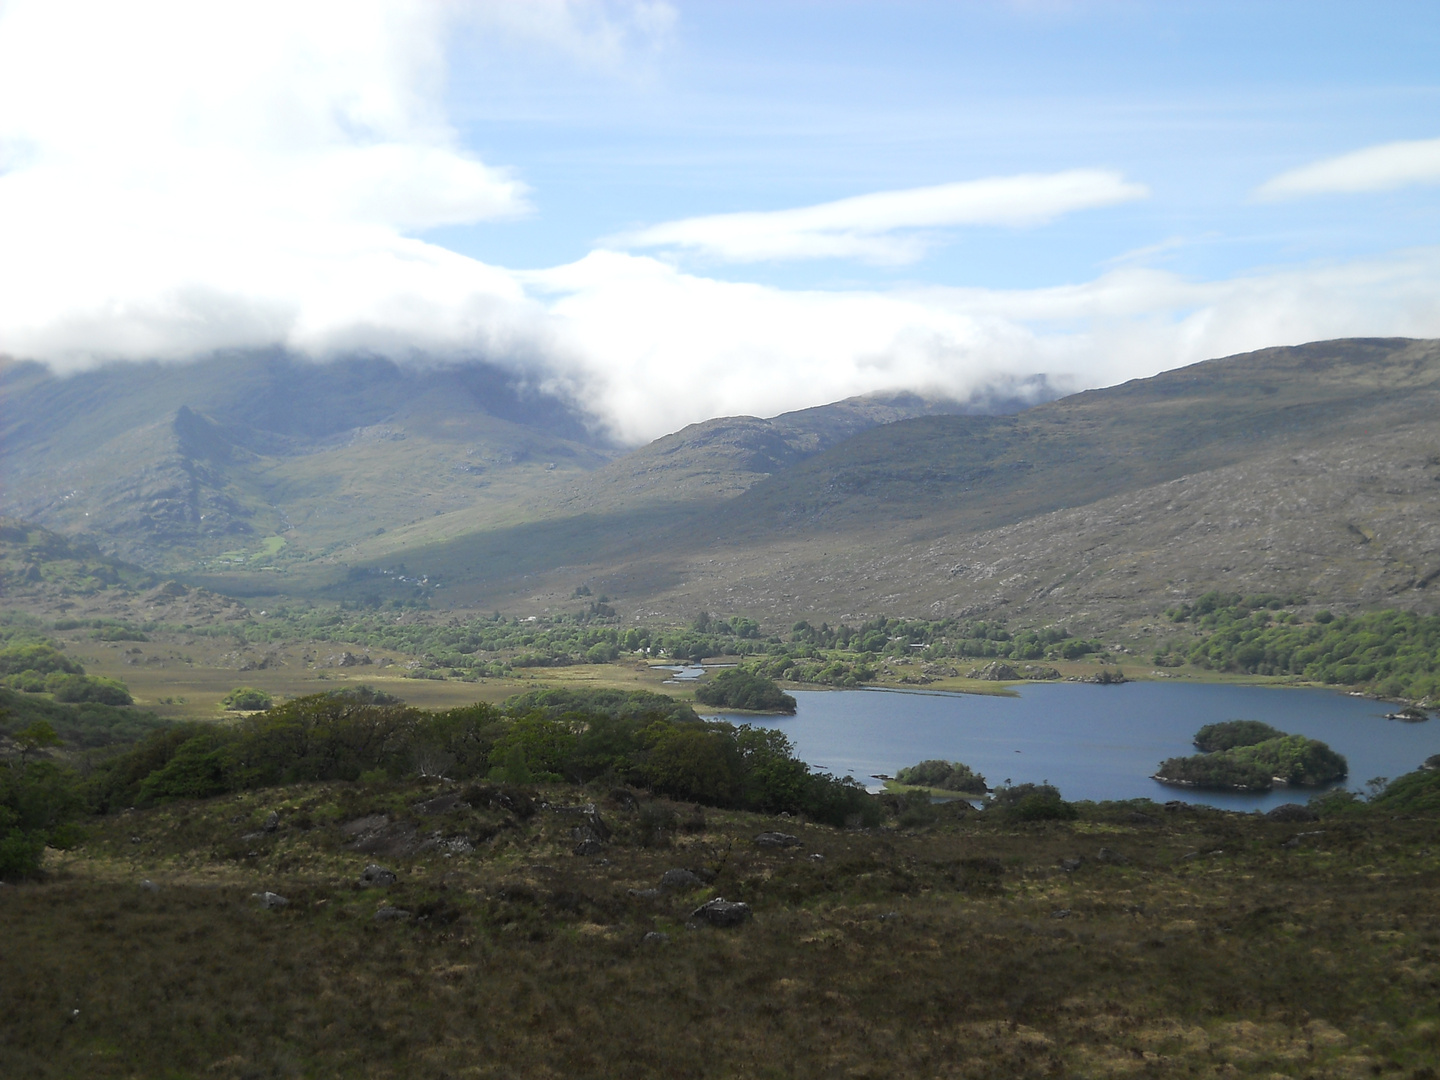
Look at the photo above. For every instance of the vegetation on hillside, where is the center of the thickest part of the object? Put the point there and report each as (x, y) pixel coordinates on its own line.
(1392, 653)
(38, 666)
(1135, 939)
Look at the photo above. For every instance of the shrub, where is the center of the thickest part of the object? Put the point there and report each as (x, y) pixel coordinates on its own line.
(1031, 802)
(41, 657)
(76, 689)
(246, 699)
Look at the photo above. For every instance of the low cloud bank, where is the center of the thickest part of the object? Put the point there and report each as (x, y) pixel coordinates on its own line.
(179, 179)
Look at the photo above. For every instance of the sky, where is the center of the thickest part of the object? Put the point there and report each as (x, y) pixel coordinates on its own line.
(675, 210)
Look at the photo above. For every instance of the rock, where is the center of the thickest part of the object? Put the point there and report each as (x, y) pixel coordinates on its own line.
(441, 804)
(777, 839)
(720, 912)
(590, 819)
(272, 821)
(1040, 671)
(1071, 865)
(1294, 841)
(391, 914)
(655, 937)
(374, 876)
(817, 857)
(995, 671)
(1106, 677)
(679, 879)
(585, 835)
(271, 900)
(643, 894)
(589, 847)
(1292, 812)
(889, 916)
(149, 886)
(1060, 913)
(1114, 858)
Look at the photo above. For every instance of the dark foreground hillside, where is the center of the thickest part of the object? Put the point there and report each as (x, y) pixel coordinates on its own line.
(1135, 940)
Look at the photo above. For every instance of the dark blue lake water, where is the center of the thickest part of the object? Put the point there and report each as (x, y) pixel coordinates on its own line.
(1093, 742)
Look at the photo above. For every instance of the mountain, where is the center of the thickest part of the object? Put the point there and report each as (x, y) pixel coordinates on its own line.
(260, 471)
(1310, 469)
(237, 458)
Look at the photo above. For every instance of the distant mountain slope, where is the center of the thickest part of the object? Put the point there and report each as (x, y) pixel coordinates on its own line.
(264, 471)
(725, 456)
(240, 456)
(1308, 469)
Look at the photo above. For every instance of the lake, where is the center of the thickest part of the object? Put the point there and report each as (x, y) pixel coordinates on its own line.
(1092, 742)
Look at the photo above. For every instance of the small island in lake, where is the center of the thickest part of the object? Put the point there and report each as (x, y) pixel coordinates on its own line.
(737, 689)
(1246, 755)
(945, 777)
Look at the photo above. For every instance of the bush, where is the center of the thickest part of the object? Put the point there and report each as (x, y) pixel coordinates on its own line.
(1031, 802)
(75, 689)
(246, 699)
(737, 689)
(41, 657)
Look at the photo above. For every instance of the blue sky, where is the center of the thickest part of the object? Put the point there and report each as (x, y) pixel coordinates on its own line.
(770, 106)
(786, 203)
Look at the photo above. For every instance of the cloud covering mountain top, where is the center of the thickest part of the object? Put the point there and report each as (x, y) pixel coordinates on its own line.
(182, 178)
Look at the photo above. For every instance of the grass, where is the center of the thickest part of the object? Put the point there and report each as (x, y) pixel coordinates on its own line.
(1203, 946)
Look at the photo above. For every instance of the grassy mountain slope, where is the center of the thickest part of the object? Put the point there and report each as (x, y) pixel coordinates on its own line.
(237, 458)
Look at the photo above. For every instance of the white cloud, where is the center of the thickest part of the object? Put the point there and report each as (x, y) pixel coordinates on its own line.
(188, 177)
(178, 176)
(1375, 168)
(863, 226)
(654, 348)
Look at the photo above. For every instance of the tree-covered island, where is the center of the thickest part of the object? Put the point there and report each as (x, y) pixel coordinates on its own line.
(1246, 755)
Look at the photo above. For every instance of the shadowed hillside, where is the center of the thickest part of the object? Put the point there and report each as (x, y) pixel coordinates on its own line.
(1307, 468)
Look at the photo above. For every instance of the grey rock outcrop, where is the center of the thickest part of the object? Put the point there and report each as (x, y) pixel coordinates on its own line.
(374, 876)
(679, 879)
(777, 840)
(720, 912)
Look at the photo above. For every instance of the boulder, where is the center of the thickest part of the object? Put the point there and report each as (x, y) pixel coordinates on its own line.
(374, 876)
(271, 900)
(777, 839)
(655, 937)
(272, 822)
(1071, 865)
(589, 846)
(392, 914)
(1114, 858)
(720, 912)
(149, 886)
(679, 879)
